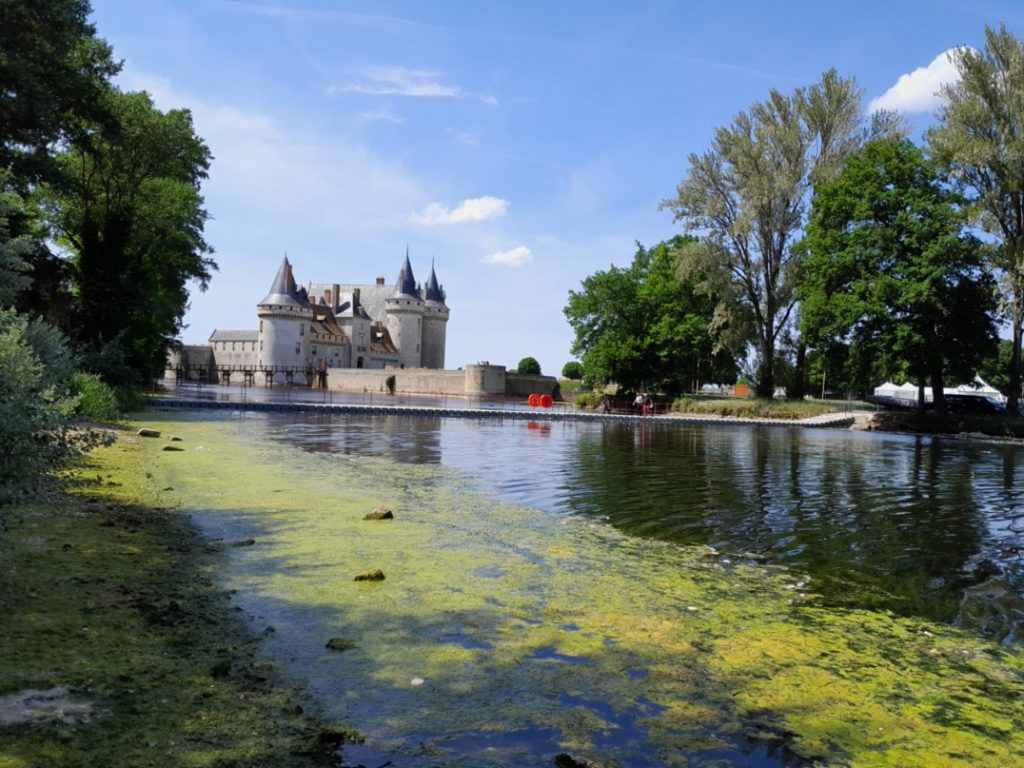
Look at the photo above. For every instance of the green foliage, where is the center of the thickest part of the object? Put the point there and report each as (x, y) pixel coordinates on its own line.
(748, 193)
(644, 327)
(53, 71)
(529, 365)
(96, 400)
(389, 383)
(891, 275)
(590, 400)
(573, 370)
(132, 217)
(35, 434)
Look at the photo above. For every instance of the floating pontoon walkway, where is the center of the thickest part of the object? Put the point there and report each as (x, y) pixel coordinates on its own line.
(831, 420)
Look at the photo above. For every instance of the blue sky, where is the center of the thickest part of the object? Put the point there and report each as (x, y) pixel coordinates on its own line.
(520, 146)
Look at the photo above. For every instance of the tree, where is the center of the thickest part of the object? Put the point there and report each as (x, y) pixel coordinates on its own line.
(892, 274)
(644, 327)
(130, 213)
(573, 370)
(53, 71)
(979, 143)
(747, 197)
(529, 365)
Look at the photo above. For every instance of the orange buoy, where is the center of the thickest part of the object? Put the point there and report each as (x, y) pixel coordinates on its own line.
(546, 401)
(533, 401)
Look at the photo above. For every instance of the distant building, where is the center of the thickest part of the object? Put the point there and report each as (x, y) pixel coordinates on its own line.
(334, 325)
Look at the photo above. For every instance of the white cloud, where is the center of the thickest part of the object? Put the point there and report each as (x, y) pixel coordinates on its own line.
(516, 257)
(399, 81)
(919, 90)
(384, 117)
(474, 209)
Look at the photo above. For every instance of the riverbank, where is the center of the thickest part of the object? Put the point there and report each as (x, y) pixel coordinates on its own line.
(118, 647)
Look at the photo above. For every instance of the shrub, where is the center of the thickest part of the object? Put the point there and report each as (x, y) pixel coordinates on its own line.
(96, 400)
(589, 400)
(573, 370)
(35, 434)
(529, 365)
(389, 382)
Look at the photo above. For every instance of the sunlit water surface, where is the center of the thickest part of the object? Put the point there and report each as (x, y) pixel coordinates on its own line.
(546, 572)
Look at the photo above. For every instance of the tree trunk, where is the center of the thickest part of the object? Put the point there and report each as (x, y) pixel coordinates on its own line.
(798, 388)
(765, 370)
(938, 393)
(1013, 396)
(920, 396)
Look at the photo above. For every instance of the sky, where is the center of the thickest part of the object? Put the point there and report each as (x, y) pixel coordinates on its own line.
(517, 146)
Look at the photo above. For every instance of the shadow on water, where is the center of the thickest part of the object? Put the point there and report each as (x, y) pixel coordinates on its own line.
(918, 526)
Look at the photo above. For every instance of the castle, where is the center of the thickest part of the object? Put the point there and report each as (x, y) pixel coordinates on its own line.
(331, 326)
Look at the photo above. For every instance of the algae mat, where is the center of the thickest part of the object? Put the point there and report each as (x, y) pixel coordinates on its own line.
(502, 635)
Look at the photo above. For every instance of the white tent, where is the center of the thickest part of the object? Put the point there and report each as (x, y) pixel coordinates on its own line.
(887, 390)
(980, 387)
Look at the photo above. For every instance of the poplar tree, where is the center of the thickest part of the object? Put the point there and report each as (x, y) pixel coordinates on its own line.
(747, 199)
(980, 141)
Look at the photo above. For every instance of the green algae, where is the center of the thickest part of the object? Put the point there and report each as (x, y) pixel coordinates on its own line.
(492, 614)
(110, 596)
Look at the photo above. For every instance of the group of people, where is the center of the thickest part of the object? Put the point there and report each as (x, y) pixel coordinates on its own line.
(644, 404)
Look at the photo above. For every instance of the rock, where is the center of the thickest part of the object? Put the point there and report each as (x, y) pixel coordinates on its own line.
(175, 439)
(172, 448)
(243, 543)
(339, 644)
(564, 760)
(375, 575)
(147, 432)
(380, 513)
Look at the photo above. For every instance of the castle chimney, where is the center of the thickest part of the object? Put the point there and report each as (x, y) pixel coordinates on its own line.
(355, 299)
(335, 296)
(327, 298)
(380, 281)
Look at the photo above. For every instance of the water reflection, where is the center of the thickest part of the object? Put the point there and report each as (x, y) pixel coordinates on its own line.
(918, 526)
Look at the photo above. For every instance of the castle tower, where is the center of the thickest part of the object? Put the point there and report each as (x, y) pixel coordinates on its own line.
(435, 323)
(404, 310)
(285, 318)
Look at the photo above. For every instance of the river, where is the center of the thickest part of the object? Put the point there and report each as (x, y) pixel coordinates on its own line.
(649, 594)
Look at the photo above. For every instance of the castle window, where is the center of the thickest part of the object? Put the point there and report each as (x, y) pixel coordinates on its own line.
(302, 329)
(232, 346)
(298, 347)
(261, 326)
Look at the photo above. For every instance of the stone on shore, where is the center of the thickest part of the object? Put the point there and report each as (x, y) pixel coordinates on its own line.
(339, 644)
(375, 575)
(147, 432)
(380, 513)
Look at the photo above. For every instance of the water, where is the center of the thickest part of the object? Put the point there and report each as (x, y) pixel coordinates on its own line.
(639, 595)
(916, 525)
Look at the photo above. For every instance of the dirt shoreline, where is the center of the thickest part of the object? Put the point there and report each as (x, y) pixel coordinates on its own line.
(119, 648)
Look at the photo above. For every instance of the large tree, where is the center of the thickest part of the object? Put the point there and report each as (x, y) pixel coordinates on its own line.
(130, 214)
(643, 327)
(747, 197)
(981, 142)
(891, 274)
(53, 72)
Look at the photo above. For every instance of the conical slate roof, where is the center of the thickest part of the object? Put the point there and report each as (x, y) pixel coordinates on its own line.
(434, 291)
(282, 292)
(406, 285)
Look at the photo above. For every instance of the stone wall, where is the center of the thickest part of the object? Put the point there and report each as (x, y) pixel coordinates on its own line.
(476, 380)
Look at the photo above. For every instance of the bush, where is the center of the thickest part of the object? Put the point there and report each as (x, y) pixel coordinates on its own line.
(96, 400)
(389, 383)
(529, 365)
(590, 400)
(573, 370)
(35, 434)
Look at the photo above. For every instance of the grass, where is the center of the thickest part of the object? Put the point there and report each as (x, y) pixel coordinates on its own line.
(116, 602)
(749, 408)
(950, 424)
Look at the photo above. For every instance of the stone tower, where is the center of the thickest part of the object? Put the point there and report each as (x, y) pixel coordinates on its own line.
(284, 323)
(404, 310)
(435, 323)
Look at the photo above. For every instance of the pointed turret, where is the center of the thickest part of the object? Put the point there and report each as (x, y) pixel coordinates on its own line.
(282, 291)
(406, 285)
(434, 291)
